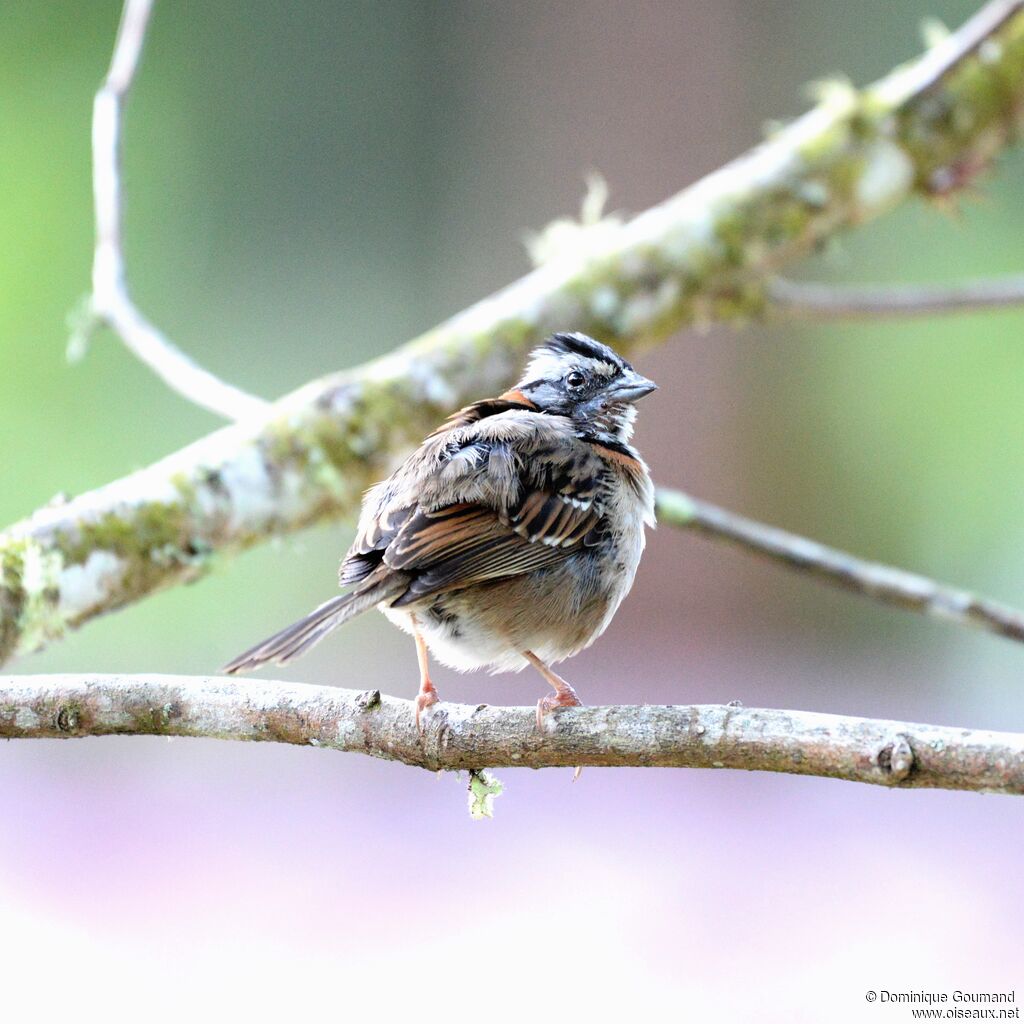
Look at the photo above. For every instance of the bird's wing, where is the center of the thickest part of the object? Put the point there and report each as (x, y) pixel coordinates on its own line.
(508, 494)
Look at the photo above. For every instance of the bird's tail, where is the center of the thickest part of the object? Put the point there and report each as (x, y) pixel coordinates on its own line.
(300, 636)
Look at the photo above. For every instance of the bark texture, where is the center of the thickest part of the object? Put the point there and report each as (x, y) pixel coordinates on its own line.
(460, 736)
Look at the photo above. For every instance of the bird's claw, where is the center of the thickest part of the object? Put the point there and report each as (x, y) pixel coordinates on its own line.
(427, 696)
(563, 698)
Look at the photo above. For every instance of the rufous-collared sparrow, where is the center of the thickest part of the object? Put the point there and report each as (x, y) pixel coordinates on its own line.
(511, 535)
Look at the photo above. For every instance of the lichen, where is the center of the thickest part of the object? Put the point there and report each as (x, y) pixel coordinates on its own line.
(129, 533)
(154, 542)
(566, 238)
(483, 788)
(85, 587)
(29, 595)
(12, 599)
(886, 177)
(152, 721)
(91, 566)
(953, 131)
(675, 508)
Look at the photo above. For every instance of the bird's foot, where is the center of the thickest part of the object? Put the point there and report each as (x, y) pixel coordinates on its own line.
(563, 697)
(427, 696)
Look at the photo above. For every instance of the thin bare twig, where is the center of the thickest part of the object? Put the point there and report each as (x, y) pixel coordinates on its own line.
(810, 300)
(460, 736)
(110, 302)
(882, 583)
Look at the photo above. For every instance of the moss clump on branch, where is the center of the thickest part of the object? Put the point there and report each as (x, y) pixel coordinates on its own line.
(954, 131)
(12, 599)
(29, 596)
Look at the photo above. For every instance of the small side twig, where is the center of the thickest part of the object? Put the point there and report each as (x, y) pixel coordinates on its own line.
(110, 302)
(468, 737)
(879, 582)
(811, 300)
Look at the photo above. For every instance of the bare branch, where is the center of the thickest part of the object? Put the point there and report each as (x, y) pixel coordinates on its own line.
(882, 583)
(811, 300)
(460, 736)
(699, 256)
(110, 302)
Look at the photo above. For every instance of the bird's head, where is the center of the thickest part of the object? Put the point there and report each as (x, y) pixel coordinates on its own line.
(575, 376)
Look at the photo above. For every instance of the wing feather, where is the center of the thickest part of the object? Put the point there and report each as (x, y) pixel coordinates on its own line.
(497, 492)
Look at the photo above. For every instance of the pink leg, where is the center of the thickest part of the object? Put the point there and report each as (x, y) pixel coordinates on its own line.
(564, 695)
(428, 692)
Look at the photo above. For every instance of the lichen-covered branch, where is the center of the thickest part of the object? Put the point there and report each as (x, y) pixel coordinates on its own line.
(110, 302)
(883, 583)
(460, 736)
(815, 301)
(703, 255)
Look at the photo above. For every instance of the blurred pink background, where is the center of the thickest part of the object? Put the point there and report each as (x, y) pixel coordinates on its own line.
(310, 185)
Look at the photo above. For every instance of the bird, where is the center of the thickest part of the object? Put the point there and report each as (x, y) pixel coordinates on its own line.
(510, 537)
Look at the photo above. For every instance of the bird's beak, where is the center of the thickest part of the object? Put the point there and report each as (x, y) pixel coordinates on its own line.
(633, 388)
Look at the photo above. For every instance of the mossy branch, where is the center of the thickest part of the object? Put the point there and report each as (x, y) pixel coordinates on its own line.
(705, 254)
(459, 736)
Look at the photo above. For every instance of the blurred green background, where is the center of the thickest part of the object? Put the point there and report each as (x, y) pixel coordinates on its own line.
(309, 185)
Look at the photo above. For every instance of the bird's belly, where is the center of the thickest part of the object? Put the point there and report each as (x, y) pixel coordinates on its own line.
(554, 612)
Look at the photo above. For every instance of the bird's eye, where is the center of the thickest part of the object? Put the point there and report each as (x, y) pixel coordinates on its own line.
(574, 378)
